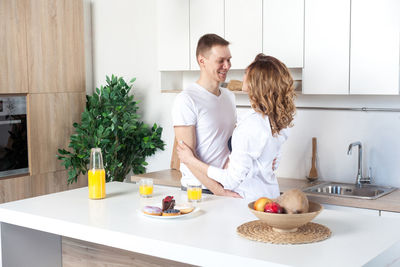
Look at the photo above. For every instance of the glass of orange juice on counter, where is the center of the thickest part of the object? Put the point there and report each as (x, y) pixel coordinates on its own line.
(194, 193)
(146, 187)
(96, 175)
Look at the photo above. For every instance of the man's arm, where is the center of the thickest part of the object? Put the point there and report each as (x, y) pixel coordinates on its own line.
(187, 134)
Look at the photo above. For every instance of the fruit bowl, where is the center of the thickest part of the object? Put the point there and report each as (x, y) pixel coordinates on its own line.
(282, 222)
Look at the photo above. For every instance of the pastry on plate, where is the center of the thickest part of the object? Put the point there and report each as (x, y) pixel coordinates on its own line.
(151, 210)
(171, 212)
(185, 209)
(168, 203)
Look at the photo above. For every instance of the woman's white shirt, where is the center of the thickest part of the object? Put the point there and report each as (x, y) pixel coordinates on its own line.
(250, 164)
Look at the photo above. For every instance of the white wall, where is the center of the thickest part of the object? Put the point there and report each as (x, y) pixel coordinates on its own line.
(124, 43)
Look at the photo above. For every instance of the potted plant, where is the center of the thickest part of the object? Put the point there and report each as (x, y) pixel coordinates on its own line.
(111, 123)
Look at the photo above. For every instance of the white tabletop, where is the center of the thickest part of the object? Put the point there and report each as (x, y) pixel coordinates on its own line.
(207, 237)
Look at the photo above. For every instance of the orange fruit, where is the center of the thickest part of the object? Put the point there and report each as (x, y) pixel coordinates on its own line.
(261, 202)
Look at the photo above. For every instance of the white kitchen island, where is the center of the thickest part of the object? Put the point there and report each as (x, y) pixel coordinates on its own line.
(206, 238)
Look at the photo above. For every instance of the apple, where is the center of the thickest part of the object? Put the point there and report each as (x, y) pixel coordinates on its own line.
(259, 205)
(273, 207)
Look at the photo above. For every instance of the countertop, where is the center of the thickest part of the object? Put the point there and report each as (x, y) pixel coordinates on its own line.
(207, 237)
(390, 202)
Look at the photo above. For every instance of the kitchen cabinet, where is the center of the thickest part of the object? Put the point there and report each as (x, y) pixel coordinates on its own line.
(243, 29)
(55, 44)
(15, 188)
(51, 116)
(206, 16)
(173, 35)
(326, 47)
(42, 55)
(283, 30)
(375, 45)
(13, 62)
(351, 47)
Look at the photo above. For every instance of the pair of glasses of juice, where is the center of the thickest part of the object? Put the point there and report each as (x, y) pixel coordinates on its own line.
(146, 190)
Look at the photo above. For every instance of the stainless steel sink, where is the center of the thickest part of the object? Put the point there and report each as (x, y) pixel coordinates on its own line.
(365, 191)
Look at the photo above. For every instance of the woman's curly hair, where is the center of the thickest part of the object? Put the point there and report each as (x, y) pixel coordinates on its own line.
(271, 91)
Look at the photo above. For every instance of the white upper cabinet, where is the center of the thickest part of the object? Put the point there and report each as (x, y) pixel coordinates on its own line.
(173, 35)
(206, 16)
(243, 29)
(351, 47)
(283, 29)
(326, 47)
(374, 55)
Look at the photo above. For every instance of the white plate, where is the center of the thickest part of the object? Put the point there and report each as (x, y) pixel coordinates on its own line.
(196, 209)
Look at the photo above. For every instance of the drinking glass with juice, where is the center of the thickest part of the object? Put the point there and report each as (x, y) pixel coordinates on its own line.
(194, 193)
(146, 187)
(96, 175)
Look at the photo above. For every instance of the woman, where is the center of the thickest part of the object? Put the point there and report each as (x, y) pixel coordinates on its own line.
(258, 137)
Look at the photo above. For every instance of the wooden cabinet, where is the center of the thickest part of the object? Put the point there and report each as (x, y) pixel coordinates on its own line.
(283, 30)
(51, 116)
(13, 58)
(173, 35)
(326, 47)
(15, 188)
(42, 55)
(375, 46)
(55, 46)
(243, 29)
(206, 16)
(52, 182)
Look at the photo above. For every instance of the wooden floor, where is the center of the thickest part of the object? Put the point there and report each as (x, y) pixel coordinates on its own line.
(77, 253)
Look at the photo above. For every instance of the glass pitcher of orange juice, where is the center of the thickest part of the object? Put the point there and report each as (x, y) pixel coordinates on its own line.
(96, 175)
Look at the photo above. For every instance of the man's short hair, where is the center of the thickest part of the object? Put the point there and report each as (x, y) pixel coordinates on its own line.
(207, 41)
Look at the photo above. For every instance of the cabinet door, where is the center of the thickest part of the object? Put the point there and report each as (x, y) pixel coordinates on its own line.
(51, 116)
(173, 35)
(243, 29)
(283, 31)
(326, 47)
(206, 16)
(13, 60)
(56, 46)
(15, 188)
(375, 45)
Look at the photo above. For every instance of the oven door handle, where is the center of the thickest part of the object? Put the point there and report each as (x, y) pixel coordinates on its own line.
(10, 122)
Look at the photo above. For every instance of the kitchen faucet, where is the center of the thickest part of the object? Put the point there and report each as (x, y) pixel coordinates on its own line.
(359, 179)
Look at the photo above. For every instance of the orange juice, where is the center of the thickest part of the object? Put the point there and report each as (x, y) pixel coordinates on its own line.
(146, 187)
(146, 190)
(194, 193)
(97, 183)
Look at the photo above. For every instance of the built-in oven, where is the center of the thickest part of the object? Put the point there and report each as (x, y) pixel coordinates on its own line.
(13, 136)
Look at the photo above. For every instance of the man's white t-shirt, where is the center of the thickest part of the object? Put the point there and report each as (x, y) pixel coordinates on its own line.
(214, 118)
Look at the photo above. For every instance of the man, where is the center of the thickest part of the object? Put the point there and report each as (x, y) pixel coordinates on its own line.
(204, 114)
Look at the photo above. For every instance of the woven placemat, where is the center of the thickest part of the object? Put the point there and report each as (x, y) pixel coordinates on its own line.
(260, 231)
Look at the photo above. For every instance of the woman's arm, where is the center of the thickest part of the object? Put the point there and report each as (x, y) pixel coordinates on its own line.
(199, 169)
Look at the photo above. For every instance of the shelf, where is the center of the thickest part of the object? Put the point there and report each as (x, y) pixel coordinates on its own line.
(177, 91)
